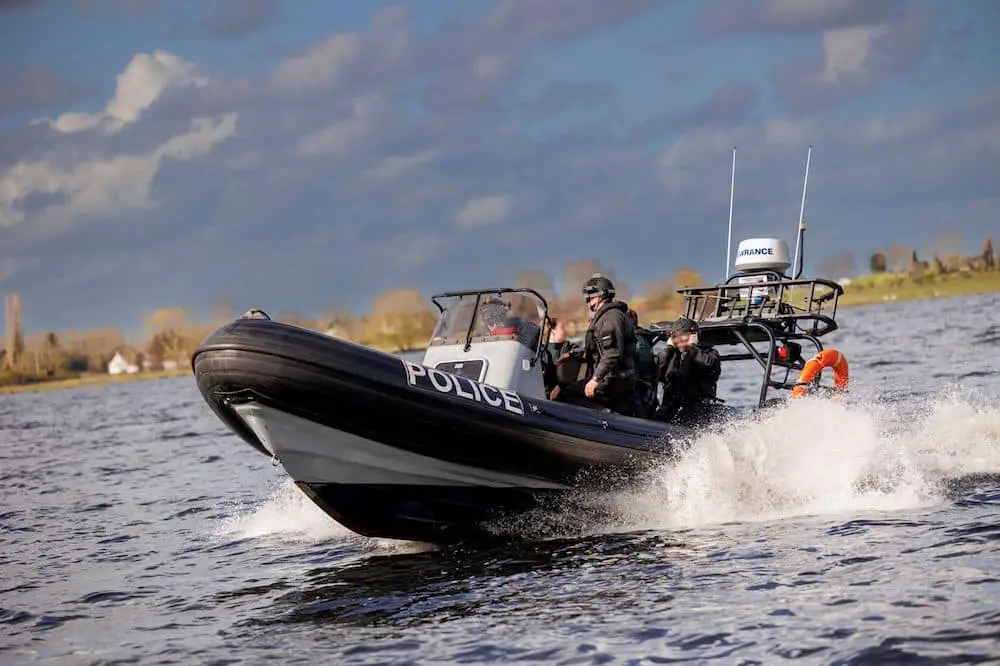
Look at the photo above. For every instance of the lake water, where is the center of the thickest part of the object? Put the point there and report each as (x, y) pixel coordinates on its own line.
(135, 529)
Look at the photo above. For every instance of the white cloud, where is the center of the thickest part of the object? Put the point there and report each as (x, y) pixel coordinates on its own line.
(406, 138)
(205, 133)
(795, 16)
(336, 60)
(483, 212)
(874, 159)
(144, 80)
(846, 50)
(326, 64)
(369, 114)
(392, 169)
(857, 59)
(107, 186)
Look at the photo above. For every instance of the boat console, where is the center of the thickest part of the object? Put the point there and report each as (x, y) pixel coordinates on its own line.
(492, 336)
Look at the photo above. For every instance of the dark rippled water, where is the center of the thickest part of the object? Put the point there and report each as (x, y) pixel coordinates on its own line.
(134, 528)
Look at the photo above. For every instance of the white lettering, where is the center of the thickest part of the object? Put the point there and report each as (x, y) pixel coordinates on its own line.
(475, 389)
(752, 251)
(413, 371)
(512, 401)
(496, 402)
(460, 393)
(440, 380)
(444, 382)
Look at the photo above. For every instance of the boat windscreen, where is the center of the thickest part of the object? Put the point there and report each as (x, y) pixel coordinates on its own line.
(506, 316)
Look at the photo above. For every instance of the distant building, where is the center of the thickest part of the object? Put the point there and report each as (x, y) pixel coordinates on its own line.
(118, 365)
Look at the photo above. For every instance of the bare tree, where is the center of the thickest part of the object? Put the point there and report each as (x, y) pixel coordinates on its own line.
(688, 277)
(165, 319)
(14, 329)
(575, 273)
(336, 315)
(540, 281)
(402, 317)
(165, 327)
(660, 295)
(947, 245)
(898, 257)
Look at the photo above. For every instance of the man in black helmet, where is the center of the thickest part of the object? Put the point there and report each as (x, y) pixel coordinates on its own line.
(690, 375)
(609, 351)
(499, 319)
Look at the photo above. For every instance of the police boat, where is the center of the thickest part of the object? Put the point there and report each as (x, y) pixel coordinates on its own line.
(434, 450)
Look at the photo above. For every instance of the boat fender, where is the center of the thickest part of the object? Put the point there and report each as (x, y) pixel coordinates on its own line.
(828, 358)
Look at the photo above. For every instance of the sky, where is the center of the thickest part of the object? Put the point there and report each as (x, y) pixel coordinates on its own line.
(293, 155)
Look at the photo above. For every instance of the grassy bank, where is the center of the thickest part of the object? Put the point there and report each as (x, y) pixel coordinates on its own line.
(887, 287)
(89, 379)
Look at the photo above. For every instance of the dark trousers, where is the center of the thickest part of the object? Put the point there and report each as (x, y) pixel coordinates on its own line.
(573, 394)
(689, 412)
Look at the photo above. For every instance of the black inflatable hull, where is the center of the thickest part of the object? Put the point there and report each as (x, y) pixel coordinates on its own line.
(381, 450)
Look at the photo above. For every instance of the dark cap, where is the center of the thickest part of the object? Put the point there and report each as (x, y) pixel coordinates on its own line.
(684, 325)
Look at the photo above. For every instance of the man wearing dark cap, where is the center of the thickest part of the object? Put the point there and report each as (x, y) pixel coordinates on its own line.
(609, 351)
(690, 375)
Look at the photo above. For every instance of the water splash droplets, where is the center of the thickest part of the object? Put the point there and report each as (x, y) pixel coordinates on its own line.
(810, 457)
(287, 514)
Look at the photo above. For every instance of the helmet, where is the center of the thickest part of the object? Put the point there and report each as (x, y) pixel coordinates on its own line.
(684, 325)
(494, 310)
(598, 285)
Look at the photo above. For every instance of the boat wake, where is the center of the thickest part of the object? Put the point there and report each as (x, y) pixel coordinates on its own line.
(288, 516)
(811, 457)
(807, 458)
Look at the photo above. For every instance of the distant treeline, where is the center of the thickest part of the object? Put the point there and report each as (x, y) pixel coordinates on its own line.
(403, 318)
(945, 256)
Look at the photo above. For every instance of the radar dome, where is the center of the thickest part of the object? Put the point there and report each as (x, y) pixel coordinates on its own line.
(757, 254)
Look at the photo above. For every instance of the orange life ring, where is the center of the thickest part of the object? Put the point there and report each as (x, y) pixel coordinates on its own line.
(828, 358)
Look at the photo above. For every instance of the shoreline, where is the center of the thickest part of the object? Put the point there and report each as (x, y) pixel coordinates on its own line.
(91, 379)
(871, 292)
(867, 290)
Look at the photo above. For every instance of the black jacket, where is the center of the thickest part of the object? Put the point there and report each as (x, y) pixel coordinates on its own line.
(610, 347)
(691, 377)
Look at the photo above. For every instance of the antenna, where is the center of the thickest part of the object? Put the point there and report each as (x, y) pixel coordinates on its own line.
(732, 192)
(797, 261)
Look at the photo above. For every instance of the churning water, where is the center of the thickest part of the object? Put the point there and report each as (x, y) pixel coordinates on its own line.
(134, 528)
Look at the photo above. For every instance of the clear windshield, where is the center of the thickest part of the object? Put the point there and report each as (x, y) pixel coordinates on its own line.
(503, 316)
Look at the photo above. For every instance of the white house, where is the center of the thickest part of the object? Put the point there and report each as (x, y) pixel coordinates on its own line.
(117, 365)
